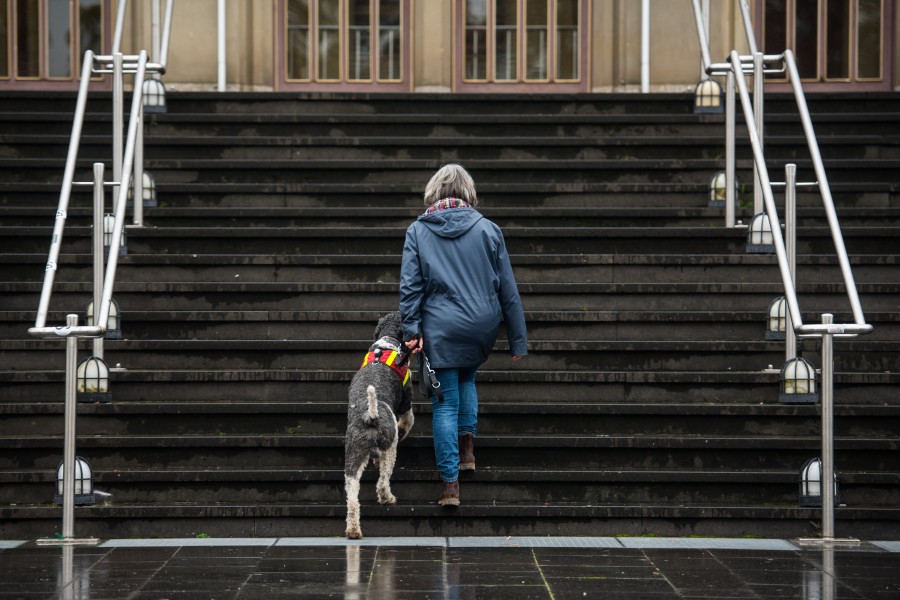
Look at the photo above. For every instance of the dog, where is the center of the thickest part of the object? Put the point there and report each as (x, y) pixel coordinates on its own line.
(379, 416)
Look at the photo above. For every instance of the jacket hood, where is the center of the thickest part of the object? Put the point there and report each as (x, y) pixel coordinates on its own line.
(452, 222)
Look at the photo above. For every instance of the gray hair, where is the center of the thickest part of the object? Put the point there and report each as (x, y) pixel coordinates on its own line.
(451, 181)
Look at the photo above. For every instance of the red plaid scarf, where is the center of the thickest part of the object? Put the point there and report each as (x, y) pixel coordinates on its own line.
(446, 203)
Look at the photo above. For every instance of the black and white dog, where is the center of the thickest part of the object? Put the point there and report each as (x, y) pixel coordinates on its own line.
(379, 415)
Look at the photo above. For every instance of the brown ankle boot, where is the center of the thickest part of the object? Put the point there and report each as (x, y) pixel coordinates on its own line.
(467, 452)
(449, 494)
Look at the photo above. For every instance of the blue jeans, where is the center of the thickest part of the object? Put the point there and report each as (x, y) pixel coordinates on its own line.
(456, 415)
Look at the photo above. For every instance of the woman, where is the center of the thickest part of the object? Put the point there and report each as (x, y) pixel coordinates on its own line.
(456, 285)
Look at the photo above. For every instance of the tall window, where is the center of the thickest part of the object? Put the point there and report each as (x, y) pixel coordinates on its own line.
(44, 40)
(834, 41)
(522, 41)
(335, 41)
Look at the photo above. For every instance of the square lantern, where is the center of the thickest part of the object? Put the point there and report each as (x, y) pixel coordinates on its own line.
(154, 96)
(148, 191)
(83, 483)
(708, 97)
(759, 236)
(92, 381)
(109, 224)
(113, 322)
(717, 191)
(811, 484)
(776, 322)
(798, 382)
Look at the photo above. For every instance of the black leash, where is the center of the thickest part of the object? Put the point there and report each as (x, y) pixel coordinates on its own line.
(429, 376)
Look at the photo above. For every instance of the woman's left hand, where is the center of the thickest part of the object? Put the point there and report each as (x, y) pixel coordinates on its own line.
(415, 345)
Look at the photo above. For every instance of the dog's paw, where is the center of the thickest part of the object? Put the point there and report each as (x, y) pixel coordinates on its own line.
(354, 534)
(387, 498)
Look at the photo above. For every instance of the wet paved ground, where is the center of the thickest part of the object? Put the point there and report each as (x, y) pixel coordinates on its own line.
(449, 568)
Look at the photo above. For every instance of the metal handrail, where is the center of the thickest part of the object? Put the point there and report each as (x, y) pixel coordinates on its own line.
(102, 314)
(61, 214)
(758, 64)
(166, 34)
(859, 326)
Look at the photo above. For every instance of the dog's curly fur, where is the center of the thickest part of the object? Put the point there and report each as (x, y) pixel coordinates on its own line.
(379, 415)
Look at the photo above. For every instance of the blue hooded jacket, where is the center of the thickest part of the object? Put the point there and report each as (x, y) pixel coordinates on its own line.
(456, 283)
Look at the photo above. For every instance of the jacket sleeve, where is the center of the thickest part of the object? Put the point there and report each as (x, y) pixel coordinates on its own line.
(511, 304)
(412, 286)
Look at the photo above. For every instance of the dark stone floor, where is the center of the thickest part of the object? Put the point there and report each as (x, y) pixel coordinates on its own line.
(449, 568)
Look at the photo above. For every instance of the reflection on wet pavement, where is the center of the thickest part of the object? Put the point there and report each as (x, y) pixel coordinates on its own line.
(448, 569)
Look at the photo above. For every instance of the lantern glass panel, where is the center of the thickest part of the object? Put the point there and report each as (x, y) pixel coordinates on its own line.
(717, 186)
(92, 376)
(708, 95)
(83, 477)
(798, 377)
(761, 230)
(777, 314)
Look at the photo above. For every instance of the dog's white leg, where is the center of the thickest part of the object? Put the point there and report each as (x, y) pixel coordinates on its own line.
(385, 470)
(351, 487)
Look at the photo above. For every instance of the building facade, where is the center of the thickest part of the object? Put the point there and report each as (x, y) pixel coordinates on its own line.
(458, 46)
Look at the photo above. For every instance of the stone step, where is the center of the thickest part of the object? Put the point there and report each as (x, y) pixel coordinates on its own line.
(500, 451)
(382, 297)
(563, 355)
(634, 325)
(502, 485)
(316, 417)
(291, 146)
(878, 195)
(237, 519)
(389, 240)
(262, 387)
(368, 172)
(593, 216)
(529, 268)
(849, 104)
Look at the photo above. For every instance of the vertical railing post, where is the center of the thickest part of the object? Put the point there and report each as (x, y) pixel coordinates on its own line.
(827, 474)
(758, 114)
(790, 246)
(645, 46)
(98, 252)
(118, 118)
(154, 30)
(729, 149)
(68, 495)
(138, 183)
(221, 47)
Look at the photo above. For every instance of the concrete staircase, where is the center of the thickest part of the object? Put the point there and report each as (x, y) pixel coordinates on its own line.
(648, 403)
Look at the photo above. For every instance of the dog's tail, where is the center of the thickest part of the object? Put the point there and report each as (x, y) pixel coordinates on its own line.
(372, 417)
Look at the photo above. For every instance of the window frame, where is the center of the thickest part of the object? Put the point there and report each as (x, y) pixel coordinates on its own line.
(43, 81)
(373, 83)
(551, 83)
(822, 82)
